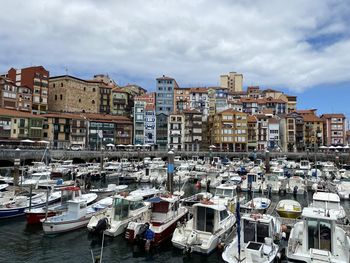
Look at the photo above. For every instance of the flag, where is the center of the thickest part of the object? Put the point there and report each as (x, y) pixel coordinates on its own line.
(238, 222)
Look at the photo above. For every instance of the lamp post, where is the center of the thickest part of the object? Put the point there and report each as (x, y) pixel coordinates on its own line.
(267, 161)
(170, 171)
(210, 154)
(17, 162)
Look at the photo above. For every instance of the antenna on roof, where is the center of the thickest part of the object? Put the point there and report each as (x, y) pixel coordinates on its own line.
(66, 69)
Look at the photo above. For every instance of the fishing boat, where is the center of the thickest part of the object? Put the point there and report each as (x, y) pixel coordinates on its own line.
(330, 202)
(257, 205)
(125, 208)
(34, 215)
(317, 238)
(254, 240)
(211, 224)
(289, 208)
(16, 206)
(163, 218)
(77, 216)
(251, 182)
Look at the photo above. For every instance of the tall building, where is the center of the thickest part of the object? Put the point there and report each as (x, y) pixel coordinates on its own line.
(233, 81)
(139, 122)
(165, 87)
(120, 102)
(252, 133)
(334, 129)
(37, 79)
(229, 130)
(193, 130)
(292, 132)
(199, 100)
(181, 99)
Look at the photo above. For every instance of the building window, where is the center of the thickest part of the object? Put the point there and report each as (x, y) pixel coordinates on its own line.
(79, 100)
(93, 101)
(53, 85)
(55, 97)
(61, 84)
(93, 89)
(84, 88)
(61, 97)
(14, 131)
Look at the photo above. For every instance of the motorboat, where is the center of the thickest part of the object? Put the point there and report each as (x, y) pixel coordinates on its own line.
(343, 189)
(317, 238)
(256, 205)
(77, 216)
(272, 184)
(34, 215)
(330, 202)
(254, 243)
(224, 194)
(296, 185)
(252, 182)
(39, 178)
(304, 165)
(125, 208)
(211, 224)
(16, 206)
(109, 190)
(289, 208)
(165, 214)
(189, 201)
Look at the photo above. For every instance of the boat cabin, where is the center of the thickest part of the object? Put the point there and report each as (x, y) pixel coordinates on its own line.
(326, 200)
(304, 165)
(76, 208)
(124, 205)
(164, 209)
(209, 217)
(319, 229)
(69, 193)
(255, 228)
(226, 191)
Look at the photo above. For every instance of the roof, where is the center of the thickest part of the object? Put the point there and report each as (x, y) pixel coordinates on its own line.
(232, 111)
(333, 115)
(252, 118)
(165, 78)
(311, 118)
(309, 111)
(211, 205)
(323, 196)
(18, 114)
(199, 90)
(273, 121)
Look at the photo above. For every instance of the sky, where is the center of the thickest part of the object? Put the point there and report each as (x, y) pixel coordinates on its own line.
(300, 46)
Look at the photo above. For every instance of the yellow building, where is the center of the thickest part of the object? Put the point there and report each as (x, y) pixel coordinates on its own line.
(233, 81)
(229, 130)
(313, 129)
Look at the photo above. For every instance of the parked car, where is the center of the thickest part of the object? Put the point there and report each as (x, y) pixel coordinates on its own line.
(76, 147)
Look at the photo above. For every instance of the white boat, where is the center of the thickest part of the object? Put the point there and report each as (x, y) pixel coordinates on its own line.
(77, 216)
(273, 184)
(257, 205)
(304, 165)
(317, 238)
(211, 224)
(164, 217)
(257, 233)
(34, 215)
(125, 208)
(252, 181)
(40, 178)
(296, 185)
(110, 189)
(343, 189)
(330, 202)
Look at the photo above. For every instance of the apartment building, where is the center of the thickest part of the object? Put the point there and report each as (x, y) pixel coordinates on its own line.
(8, 94)
(193, 130)
(292, 132)
(273, 139)
(165, 87)
(162, 131)
(181, 99)
(334, 129)
(199, 100)
(120, 102)
(37, 79)
(176, 132)
(232, 81)
(252, 133)
(313, 129)
(229, 130)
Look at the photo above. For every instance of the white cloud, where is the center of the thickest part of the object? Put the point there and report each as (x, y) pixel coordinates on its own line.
(193, 41)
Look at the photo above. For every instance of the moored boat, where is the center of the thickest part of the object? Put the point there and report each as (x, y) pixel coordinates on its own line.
(289, 208)
(257, 205)
(210, 225)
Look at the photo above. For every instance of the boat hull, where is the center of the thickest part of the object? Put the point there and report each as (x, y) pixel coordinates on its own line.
(52, 228)
(289, 214)
(35, 218)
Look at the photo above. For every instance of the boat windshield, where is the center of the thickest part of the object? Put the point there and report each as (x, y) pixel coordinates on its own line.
(121, 208)
(272, 178)
(136, 205)
(326, 204)
(225, 193)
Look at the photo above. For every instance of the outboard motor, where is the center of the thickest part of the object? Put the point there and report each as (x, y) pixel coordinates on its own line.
(101, 226)
(140, 234)
(295, 190)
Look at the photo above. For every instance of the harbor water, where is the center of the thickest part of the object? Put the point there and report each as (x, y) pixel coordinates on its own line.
(27, 243)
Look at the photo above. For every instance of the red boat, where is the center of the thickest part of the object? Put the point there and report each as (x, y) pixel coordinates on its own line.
(34, 216)
(163, 218)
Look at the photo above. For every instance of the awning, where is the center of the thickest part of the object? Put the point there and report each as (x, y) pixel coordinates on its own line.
(28, 141)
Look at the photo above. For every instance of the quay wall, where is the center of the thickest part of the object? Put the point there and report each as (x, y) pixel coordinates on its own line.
(9, 155)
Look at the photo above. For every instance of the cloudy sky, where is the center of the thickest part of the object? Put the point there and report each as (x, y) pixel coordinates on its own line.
(301, 46)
